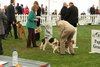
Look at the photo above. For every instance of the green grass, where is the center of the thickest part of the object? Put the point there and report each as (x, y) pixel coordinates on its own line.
(81, 59)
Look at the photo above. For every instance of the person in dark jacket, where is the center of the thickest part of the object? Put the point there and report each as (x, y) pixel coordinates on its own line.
(42, 9)
(19, 9)
(2, 29)
(38, 24)
(63, 11)
(11, 18)
(92, 10)
(38, 14)
(72, 18)
(72, 14)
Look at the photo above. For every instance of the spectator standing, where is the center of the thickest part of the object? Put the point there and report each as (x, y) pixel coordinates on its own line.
(26, 10)
(2, 29)
(5, 22)
(64, 11)
(55, 12)
(72, 14)
(97, 11)
(92, 10)
(22, 9)
(83, 13)
(72, 18)
(42, 9)
(19, 9)
(38, 23)
(11, 18)
(31, 25)
(45, 10)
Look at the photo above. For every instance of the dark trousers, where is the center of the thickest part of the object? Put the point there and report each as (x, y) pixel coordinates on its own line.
(37, 35)
(38, 23)
(31, 37)
(14, 28)
(1, 49)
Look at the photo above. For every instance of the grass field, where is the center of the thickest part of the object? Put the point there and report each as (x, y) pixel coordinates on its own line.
(82, 57)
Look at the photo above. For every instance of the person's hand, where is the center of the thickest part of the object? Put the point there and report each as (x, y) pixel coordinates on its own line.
(14, 22)
(36, 20)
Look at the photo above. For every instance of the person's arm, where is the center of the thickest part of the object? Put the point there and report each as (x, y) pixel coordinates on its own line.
(4, 17)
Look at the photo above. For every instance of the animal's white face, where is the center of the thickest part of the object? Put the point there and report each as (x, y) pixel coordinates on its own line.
(56, 46)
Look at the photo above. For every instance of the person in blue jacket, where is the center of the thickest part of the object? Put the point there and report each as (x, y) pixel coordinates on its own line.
(31, 25)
